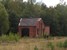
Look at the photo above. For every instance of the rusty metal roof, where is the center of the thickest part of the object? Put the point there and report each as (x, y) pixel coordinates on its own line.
(28, 21)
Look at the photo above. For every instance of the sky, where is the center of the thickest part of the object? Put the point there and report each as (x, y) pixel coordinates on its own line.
(50, 2)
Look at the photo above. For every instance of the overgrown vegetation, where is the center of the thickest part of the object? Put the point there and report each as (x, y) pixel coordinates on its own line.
(65, 44)
(51, 45)
(35, 48)
(35, 44)
(59, 44)
(11, 11)
(9, 38)
(62, 44)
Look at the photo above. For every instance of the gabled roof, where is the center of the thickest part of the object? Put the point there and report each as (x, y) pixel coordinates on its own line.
(28, 21)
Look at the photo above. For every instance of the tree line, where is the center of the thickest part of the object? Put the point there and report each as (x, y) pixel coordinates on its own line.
(12, 10)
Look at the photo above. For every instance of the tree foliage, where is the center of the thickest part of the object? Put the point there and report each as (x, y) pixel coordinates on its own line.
(4, 22)
(55, 17)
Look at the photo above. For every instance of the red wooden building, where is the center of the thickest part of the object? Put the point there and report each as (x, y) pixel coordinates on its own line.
(32, 27)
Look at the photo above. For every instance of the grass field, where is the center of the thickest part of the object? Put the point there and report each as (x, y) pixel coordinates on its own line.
(30, 43)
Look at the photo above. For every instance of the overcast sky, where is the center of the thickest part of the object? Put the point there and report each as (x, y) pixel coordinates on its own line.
(50, 2)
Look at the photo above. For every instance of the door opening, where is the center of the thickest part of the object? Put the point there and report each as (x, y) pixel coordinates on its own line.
(25, 32)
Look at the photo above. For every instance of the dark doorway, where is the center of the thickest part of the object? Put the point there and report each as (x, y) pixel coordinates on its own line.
(25, 32)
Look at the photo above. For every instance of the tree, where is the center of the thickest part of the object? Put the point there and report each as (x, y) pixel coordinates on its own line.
(4, 22)
(31, 1)
(14, 9)
(62, 9)
(55, 17)
(31, 11)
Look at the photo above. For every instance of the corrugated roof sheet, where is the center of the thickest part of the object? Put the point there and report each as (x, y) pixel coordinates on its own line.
(28, 21)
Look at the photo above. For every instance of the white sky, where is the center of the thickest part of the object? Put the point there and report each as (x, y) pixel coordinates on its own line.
(50, 2)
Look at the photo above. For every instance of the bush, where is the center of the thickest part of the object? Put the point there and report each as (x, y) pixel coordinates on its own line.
(9, 38)
(17, 37)
(3, 38)
(14, 37)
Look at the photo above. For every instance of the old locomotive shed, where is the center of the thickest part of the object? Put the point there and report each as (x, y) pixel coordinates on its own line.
(32, 27)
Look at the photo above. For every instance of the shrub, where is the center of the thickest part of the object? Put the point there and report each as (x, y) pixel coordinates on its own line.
(3, 38)
(17, 37)
(9, 38)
